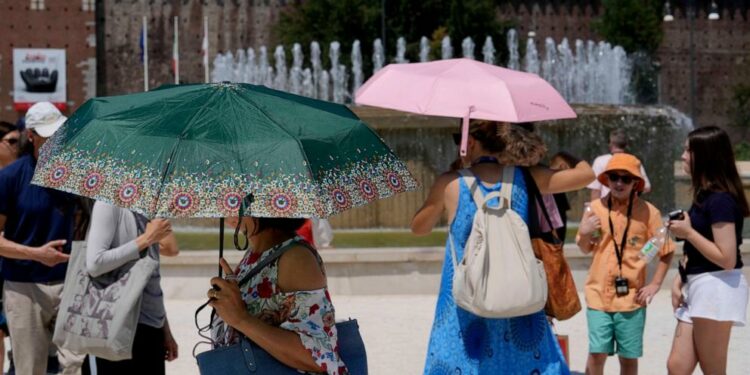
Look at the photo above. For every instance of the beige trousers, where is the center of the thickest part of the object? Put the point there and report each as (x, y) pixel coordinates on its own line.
(31, 310)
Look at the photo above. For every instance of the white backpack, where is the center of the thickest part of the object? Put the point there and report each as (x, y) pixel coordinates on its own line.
(499, 276)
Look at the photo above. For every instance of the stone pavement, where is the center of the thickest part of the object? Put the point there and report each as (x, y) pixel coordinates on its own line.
(396, 328)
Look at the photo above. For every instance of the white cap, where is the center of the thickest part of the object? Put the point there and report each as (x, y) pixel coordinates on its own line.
(44, 118)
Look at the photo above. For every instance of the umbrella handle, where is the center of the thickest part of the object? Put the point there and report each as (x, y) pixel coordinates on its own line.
(465, 132)
(221, 242)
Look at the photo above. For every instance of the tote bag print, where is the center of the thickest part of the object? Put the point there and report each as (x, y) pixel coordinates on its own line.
(99, 315)
(93, 309)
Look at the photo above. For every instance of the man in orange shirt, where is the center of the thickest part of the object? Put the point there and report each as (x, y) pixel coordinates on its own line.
(616, 289)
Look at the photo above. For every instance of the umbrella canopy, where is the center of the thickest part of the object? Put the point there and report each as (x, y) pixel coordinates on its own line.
(466, 89)
(199, 150)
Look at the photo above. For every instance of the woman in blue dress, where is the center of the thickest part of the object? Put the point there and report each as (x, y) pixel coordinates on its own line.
(463, 343)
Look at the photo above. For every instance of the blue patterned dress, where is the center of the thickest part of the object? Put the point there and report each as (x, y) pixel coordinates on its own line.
(466, 344)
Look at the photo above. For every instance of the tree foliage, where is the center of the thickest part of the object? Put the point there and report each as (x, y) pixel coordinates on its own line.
(633, 24)
(348, 20)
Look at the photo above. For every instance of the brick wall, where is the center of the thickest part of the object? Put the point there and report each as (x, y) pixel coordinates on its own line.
(722, 50)
(231, 25)
(722, 60)
(61, 24)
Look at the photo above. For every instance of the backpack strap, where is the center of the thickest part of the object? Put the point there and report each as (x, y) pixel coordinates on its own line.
(473, 184)
(506, 189)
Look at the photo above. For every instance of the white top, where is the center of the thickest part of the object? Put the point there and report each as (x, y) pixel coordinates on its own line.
(600, 164)
(111, 245)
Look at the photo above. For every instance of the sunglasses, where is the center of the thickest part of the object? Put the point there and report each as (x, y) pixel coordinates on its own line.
(11, 141)
(457, 138)
(614, 177)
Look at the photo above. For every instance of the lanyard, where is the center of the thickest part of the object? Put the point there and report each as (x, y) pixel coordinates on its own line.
(619, 250)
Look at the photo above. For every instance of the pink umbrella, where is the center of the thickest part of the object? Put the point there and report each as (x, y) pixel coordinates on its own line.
(467, 89)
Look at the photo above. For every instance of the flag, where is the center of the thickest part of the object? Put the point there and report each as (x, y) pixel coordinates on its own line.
(140, 42)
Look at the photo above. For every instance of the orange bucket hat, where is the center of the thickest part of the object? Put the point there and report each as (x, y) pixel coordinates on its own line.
(627, 163)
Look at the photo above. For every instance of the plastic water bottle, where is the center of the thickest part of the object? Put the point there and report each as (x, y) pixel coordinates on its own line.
(653, 245)
(597, 234)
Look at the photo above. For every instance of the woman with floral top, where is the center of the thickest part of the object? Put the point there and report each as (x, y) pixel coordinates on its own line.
(285, 308)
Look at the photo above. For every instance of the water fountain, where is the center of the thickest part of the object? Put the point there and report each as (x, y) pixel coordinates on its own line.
(324, 83)
(446, 48)
(531, 60)
(317, 68)
(401, 51)
(378, 56)
(338, 73)
(513, 59)
(424, 49)
(488, 51)
(281, 72)
(357, 76)
(467, 47)
(308, 87)
(295, 75)
(593, 73)
(251, 71)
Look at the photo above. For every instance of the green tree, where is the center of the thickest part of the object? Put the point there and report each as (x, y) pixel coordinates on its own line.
(633, 24)
(636, 26)
(348, 20)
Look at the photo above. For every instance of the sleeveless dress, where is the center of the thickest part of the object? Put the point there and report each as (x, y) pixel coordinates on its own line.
(466, 344)
(309, 314)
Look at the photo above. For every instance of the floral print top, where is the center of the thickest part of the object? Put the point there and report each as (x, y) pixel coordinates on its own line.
(309, 313)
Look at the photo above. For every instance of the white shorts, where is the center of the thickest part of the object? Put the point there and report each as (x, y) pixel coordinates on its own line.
(719, 295)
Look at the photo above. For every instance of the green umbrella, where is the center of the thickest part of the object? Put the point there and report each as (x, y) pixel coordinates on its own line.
(199, 150)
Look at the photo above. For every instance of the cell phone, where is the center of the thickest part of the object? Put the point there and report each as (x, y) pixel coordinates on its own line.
(677, 215)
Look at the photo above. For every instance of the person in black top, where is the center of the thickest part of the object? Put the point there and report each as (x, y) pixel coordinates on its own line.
(711, 294)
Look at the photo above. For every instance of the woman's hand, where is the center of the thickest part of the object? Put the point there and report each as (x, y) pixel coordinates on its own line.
(170, 345)
(227, 299)
(157, 229)
(681, 228)
(677, 299)
(590, 223)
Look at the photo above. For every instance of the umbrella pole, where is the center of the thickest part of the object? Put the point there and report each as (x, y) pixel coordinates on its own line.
(221, 242)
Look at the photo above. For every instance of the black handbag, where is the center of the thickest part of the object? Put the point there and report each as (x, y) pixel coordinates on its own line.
(246, 357)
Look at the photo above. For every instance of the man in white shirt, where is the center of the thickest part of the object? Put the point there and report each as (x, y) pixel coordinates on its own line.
(618, 142)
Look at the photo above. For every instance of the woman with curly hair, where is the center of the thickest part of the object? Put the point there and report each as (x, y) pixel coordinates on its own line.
(460, 341)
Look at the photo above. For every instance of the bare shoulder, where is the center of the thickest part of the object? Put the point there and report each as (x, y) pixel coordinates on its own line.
(299, 270)
(447, 179)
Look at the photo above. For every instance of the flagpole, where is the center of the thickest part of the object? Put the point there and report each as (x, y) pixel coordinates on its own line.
(205, 47)
(145, 53)
(176, 50)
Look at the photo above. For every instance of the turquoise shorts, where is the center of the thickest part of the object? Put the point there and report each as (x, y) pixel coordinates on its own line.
(618, 333)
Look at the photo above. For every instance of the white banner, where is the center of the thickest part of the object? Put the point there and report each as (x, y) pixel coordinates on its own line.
(39, 75)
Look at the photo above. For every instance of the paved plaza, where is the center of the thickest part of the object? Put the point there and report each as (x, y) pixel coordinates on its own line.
(396, 328)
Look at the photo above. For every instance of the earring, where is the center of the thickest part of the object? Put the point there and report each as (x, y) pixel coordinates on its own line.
(236, 237)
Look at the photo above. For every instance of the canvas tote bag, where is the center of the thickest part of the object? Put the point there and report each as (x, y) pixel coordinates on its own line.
(499, 276)
(99, 315)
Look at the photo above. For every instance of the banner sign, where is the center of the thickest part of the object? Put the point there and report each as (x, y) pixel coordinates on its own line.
(38, 76)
